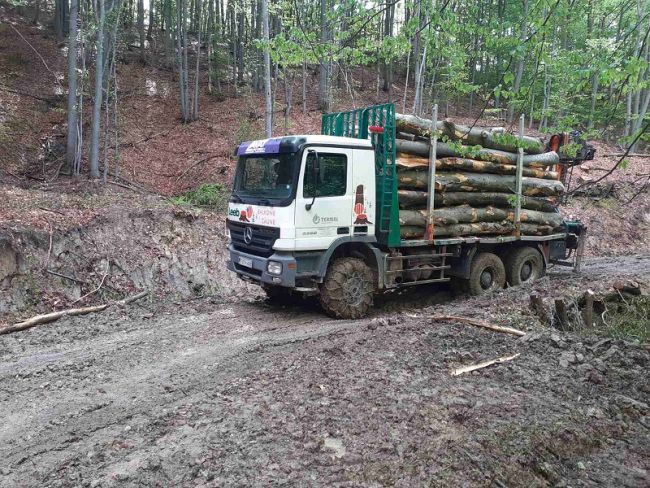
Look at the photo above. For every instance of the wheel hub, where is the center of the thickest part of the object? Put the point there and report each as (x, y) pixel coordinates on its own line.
(526, 271)
(354, 289)
(487, 279)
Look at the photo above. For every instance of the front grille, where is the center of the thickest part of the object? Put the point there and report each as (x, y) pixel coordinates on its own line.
(262, 242)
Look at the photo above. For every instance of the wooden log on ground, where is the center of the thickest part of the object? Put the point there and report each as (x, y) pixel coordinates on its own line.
(478, 182)
(410, 199)
(502, 141)
(407, 162)
(484, 364)
(466, 214)
(421, 148)
(477, 323)
(51, 317)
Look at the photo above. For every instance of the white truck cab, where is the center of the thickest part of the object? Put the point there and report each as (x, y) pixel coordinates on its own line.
(293, 199)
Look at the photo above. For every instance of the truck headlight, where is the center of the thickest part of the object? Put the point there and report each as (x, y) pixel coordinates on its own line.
(274, 268)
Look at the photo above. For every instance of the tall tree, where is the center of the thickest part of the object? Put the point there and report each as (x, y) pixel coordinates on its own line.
(71, 143)
(97, 106)
(267, 69)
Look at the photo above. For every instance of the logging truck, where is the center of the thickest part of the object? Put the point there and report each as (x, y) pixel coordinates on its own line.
(321, 215)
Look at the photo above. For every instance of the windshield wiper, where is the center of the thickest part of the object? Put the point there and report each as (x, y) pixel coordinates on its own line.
(264, 201)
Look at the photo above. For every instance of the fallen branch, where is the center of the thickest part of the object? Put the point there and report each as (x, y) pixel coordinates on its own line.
(484, 364)
(51, 317)
(477, 323)
(96, 289)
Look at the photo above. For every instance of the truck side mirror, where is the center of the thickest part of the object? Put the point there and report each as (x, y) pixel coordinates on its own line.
(315, 175)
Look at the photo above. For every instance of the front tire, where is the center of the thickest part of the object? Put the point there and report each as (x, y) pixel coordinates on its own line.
(347, 290)
(524, 265)
(487, 274)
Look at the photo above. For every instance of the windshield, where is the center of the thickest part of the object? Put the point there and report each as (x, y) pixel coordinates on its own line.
(266, 176)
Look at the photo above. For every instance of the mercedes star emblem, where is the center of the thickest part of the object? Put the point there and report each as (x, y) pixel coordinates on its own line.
(248, 235)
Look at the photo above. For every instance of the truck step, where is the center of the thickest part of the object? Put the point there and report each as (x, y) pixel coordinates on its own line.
(432, 268)
(434, 280)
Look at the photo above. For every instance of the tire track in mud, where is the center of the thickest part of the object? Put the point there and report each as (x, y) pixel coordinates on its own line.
(184, 367)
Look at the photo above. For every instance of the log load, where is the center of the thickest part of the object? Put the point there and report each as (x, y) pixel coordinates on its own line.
(475, 181)
(466, 214)
(421, 148)
(412, 124)
(478, 182)
(502, 141)
(409, 199)
(408, 161)
(475, 229)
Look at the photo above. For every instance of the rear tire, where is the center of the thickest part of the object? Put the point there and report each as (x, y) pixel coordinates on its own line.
(487, 274)
(524, 265)
(348, 288)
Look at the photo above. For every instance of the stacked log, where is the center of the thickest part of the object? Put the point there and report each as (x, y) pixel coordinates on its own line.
(475, 181)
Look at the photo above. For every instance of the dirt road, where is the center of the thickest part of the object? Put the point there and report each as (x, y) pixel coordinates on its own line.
(214, 393)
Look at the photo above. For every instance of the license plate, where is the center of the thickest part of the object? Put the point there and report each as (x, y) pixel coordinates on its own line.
(248, 262)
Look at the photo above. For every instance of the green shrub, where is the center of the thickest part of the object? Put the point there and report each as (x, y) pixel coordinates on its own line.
(207, 195)
(628, 320)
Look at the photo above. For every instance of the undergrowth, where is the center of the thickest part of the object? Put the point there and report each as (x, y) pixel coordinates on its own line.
(212, 195)
(630, 320)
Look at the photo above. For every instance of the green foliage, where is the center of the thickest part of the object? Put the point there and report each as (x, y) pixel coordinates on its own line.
(207, 195)
(627, 320)
(506, 138)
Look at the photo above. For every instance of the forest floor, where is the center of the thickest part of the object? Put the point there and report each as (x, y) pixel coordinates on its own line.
(214, 392)
(206, 384)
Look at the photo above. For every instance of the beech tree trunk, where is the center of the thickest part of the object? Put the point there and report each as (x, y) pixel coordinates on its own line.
(473, 182)
(141, 27)
(412, 124)
(409, 199)
(421, 148)
(474, 229)
(97, 107)
(267, 70)
(71, 142)
(491, 139)
(410, 162)
(466, 214)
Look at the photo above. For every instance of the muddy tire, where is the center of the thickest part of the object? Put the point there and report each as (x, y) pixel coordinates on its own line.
(278, 295)
(523, 265)
(347, 290)
(487, 274)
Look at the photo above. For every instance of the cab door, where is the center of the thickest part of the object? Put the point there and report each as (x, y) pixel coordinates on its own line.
(323, 201)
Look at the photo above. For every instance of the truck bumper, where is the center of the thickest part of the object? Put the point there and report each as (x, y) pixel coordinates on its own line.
(258, 270)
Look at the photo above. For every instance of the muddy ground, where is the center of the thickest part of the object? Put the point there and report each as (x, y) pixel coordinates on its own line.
(209, 392)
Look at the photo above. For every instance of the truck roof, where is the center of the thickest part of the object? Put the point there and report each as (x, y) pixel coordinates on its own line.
(289, 144)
